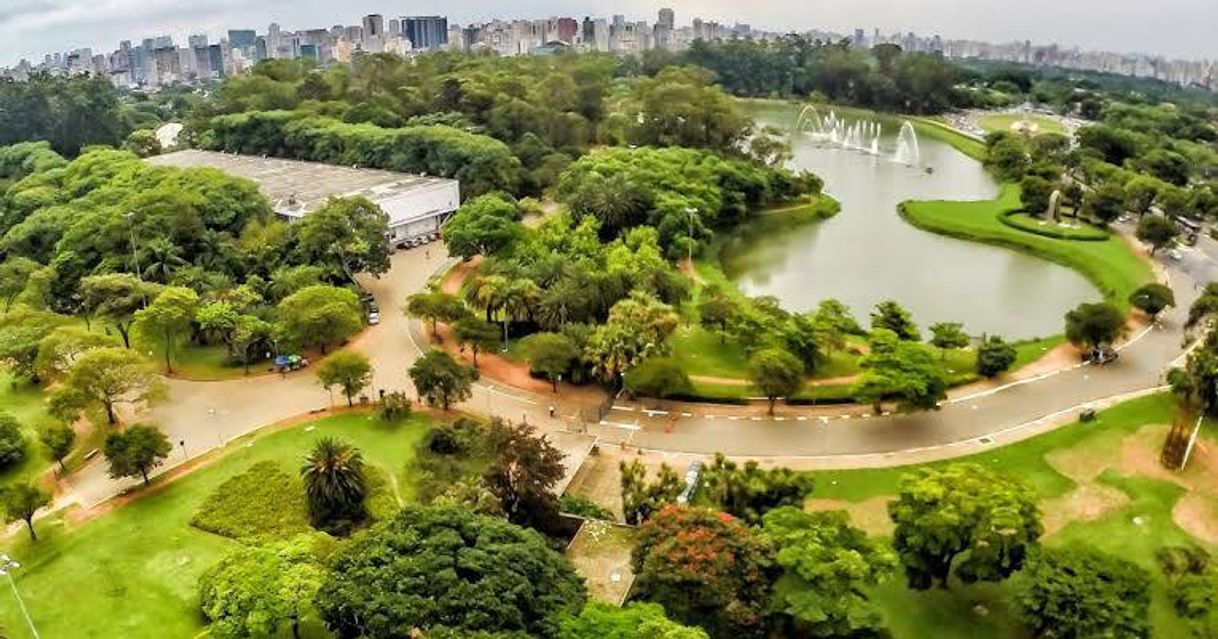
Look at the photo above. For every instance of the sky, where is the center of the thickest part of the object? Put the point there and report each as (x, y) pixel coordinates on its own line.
(1178, 28)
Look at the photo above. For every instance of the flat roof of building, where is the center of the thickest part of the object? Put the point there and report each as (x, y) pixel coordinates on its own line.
(295, 187)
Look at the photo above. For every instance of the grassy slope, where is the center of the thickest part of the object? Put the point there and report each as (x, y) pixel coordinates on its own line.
(133, 573)
(1003, 122)
(27, 404)
(1110, 265)
(951, 613)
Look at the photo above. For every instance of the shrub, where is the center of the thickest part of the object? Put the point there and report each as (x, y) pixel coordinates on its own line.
(12, 441)
(264, 502)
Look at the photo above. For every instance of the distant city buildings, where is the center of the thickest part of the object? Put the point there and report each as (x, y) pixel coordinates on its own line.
(158, 62)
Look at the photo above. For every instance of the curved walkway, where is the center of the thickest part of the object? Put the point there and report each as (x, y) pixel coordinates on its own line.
(201, 416)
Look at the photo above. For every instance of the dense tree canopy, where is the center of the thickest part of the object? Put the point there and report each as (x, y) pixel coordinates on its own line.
(450, 570)
(964, 520)
(70, 112)
(706, 568)
(1075, 593)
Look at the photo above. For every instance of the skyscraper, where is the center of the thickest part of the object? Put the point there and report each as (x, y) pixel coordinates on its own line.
(667, 18)
(426, 32)
(374, 26)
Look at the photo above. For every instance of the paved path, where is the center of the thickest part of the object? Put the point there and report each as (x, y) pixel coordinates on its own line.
(205, 415)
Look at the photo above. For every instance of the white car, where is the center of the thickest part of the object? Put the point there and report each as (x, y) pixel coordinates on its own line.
(1175, 255)
(374, 318)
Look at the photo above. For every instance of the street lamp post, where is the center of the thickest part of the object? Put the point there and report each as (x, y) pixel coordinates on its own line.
(690, 246)
(135, 258)
(7, 566)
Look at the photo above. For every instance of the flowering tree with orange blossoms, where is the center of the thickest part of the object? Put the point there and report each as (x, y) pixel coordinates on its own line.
(706, 568)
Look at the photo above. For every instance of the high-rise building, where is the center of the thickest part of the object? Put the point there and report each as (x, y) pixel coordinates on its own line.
(374, 26)
(426, 32)
(395, 27)
(197, 40)
(667, 18)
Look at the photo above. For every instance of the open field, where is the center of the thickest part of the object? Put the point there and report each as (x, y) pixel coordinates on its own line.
(132, 572)
(1005, 122)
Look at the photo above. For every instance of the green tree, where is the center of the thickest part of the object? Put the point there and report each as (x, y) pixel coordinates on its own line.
(946, 335)
(1152, 298)
(135, 451)
(22, 331)
(659, 377)
(716, 311)
(749, 492)
(335, 484)
(345, 236)
(251, 591)
(706, 568)
(476, 333)
(889, 315)
(437, 306)
(484, 225)
(994, 356)
(1140, 193)
(12, 441)
(21, 502)
(900, 369)
(442, 380)
(1035, 192)
(963, 519)
(1104, 203)
(348, 370)
(638, 327)
(116, 297)
(247, 332)
(319, 316)
(1195, 383)
(828, 567)
(636, 620)
(58, 439)
(516, 583)
(1091, 325)
(59, 350)
(14, 274)
(552, 354)
(1074, 593)
(522, 474)
(1157, 231)
(642, 498)
(776, 373)
(105, 377)
(167, 318)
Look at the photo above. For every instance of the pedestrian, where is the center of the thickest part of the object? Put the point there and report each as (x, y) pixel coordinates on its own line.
(427, 254)
(551, 411)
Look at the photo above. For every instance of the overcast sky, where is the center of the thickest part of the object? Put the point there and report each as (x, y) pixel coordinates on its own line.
(1186, 28)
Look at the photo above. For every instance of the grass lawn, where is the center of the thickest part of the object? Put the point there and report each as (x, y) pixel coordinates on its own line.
(1004, 122)
(1111, 265)
(201, 363)
(1132, 529)
(1075, 230)
(132, 573)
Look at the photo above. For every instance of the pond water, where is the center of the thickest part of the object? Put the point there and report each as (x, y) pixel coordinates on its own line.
(867, 253)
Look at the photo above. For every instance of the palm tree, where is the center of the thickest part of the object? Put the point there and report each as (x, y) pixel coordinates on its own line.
(486, 292)
(161, 258)
(335, 486)
(520, 299)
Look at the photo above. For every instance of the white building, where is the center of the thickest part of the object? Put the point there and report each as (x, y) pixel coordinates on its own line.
(417, 205)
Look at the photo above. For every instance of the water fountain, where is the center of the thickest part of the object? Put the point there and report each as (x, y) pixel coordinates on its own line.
(859, 135)
(908, 152)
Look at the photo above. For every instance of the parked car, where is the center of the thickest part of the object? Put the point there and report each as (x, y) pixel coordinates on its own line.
(374, 318)
(1175, 254)
(1102, 355)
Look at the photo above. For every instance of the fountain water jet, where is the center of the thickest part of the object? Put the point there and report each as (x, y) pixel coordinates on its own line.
(859, 135)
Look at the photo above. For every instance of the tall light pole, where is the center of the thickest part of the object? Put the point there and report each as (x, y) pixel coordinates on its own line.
(7, 566)
(691, 211)
(135, 258)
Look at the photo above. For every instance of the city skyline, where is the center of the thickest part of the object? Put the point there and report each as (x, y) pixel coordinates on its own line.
(39, 27)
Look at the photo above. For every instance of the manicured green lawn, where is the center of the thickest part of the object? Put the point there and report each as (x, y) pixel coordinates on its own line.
(1111, 265)
(202, 363)
(1004, 121)
(132, 573)
(1074, 231)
